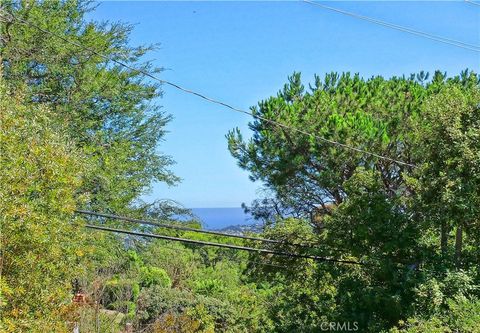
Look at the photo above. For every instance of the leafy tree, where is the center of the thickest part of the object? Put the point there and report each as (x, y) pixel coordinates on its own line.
(107, 116)
(299, 301)
(40, 243)
(306, 174)
(395, 217)
(447, 181)
(109, 111)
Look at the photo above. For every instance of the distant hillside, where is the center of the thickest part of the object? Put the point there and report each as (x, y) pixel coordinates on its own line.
(243, 229)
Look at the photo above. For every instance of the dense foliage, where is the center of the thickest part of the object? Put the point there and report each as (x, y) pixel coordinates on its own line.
(78, 130)
(40, 175)
(411, 216)
(109, 111)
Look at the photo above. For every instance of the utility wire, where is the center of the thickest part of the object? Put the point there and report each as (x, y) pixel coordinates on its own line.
(255, 262)
(228, 246)
(473, 2)
(460, 44)
(212, 100)
(201, 231)
(177, 227)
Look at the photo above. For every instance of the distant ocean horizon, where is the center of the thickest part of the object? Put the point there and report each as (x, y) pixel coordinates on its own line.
(219, 218)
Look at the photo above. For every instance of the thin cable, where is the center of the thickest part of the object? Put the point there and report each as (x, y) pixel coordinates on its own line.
(228, 246)
(212, 100)
(473, 2)
(186, 250)
(199, 231)
(177, 227)
(460, 44)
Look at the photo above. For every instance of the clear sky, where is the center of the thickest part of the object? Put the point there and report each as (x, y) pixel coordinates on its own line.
(242, 52)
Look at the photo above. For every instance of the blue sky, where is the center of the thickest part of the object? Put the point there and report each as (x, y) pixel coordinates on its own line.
(242, 52)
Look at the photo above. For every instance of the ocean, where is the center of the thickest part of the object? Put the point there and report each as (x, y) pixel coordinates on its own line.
(219, 218)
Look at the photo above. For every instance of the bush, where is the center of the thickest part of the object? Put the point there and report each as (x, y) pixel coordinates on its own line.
(462, 315)
(154, 276)
(157, 302)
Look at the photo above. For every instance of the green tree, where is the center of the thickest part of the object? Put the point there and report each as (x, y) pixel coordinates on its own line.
(448, 178)
(109, 111)
(105, 114)
(306, 175)
(394, 217)
(41, 174)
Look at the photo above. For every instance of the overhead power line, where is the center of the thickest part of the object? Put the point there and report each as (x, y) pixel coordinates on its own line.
(183, 228)
(228, 246)
(457, 43)
(473, 2)
(236, 260)
(212, 100)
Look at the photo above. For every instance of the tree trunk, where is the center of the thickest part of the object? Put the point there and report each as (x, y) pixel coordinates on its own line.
(444, 238)
(458, 246)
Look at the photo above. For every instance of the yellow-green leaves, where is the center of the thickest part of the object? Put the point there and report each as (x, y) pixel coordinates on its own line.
(40, 175)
